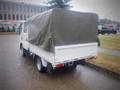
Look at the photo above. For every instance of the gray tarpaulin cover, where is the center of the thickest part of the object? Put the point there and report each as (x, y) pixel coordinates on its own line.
(59, 27)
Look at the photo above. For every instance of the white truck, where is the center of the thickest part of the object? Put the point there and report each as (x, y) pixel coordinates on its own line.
(59, 38)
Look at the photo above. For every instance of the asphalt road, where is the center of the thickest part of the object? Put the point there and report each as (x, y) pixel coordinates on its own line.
(19, 73)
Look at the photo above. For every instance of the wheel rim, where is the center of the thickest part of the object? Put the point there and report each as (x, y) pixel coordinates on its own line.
(38, 64)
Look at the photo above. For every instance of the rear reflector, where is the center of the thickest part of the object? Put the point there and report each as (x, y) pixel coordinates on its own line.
(59, 65)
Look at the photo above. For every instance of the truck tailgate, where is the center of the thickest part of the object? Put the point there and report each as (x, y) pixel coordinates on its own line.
(74, 52)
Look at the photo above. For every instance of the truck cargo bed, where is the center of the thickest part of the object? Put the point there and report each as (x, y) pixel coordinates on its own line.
(72, 52)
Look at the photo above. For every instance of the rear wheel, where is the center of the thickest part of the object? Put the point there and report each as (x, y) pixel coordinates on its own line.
(24, 52)
(50, 69)
(40, 66)
(82, 62)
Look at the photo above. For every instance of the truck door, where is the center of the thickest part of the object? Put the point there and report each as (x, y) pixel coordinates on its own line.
(24, 35)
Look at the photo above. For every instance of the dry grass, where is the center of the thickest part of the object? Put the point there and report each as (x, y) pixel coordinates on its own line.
(110, 41)
(107, 61)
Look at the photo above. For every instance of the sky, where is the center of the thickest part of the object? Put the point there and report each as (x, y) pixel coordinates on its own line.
(104, 8)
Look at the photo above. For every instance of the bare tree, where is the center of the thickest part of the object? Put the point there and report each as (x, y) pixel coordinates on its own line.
(58, 3)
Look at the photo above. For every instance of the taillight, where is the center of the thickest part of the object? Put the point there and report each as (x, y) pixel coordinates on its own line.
(59, 65)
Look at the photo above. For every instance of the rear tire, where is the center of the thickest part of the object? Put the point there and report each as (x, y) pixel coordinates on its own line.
(50, 69)
(24, 52)
(40, 66)
(82, 62)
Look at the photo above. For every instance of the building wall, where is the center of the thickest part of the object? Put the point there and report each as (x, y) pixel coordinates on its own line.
(12, 14)
(18, 11)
